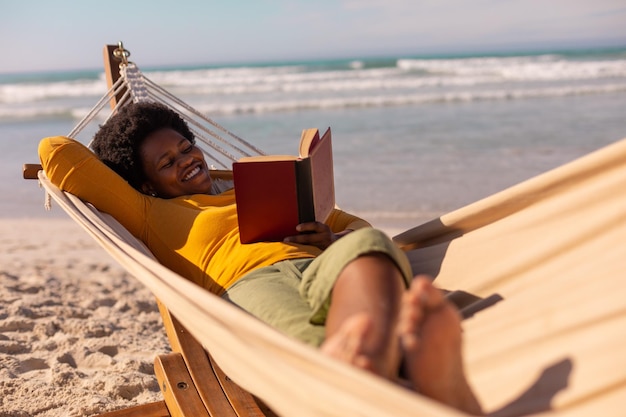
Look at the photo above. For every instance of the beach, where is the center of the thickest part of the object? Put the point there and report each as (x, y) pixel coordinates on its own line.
(413, 139)
(78, 335)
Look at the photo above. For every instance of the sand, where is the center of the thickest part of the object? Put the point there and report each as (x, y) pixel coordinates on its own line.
(78, 335)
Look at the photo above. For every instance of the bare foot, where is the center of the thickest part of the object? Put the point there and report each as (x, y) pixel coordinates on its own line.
(429, 328)
(347, 343)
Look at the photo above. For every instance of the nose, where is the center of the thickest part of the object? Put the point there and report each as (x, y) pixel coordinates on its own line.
(184, 160)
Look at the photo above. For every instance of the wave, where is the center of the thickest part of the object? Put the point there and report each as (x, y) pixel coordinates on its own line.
(531, 68)
(403, 100)
(355, 77)
(37, 92)
(336, 102)
(406, 74)
(49, 113)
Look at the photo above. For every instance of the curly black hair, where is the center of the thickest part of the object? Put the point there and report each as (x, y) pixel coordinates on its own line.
(117, 142)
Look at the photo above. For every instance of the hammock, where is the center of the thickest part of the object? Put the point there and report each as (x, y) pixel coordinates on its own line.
(545, 260)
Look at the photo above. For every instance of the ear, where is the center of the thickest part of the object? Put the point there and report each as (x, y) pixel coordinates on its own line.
(147, 189)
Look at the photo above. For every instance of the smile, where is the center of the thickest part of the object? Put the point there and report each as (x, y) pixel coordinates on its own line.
(192, 173)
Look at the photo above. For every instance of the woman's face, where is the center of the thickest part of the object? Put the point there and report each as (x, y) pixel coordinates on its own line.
(173, 166)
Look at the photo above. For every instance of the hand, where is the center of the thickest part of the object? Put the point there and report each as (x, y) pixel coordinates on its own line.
(315, 234)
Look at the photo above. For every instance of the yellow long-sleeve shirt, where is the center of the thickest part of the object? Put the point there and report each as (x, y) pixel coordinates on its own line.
(196, 236)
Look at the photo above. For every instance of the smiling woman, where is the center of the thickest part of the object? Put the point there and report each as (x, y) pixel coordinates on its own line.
(120, 142)
(173, 166)
(322, 287)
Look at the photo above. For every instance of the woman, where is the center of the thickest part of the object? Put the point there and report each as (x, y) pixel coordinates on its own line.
(338, 285)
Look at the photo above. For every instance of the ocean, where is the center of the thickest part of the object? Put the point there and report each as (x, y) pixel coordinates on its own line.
(413, 137)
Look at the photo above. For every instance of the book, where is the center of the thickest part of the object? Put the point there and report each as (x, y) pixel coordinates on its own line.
(275, 193)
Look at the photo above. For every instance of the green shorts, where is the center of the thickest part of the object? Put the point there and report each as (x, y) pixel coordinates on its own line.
(293, 296)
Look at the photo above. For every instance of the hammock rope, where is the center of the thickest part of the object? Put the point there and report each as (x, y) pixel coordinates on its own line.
(91, 115)
(220, 145)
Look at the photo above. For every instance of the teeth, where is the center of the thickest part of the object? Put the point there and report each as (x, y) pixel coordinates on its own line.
(192, 174)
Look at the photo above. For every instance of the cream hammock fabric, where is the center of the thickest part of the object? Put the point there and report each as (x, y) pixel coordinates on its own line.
(554, 249)
(548, 254)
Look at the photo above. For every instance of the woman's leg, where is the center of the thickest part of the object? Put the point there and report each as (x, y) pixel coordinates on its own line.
(430, 340)
(272, 295)
(370, 287)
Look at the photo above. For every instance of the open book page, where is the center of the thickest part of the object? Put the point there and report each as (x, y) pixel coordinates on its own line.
(322, 176)
(308, 140)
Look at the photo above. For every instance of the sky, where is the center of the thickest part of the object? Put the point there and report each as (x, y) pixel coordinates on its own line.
(44, 35)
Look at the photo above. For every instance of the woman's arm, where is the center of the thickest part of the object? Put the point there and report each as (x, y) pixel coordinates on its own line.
(323, 235)
(340, 221)
(74, 168)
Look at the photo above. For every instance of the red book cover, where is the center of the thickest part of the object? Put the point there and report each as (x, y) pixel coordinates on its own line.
(275, 193)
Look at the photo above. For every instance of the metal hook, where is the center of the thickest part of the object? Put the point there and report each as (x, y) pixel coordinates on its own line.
(121, 54)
